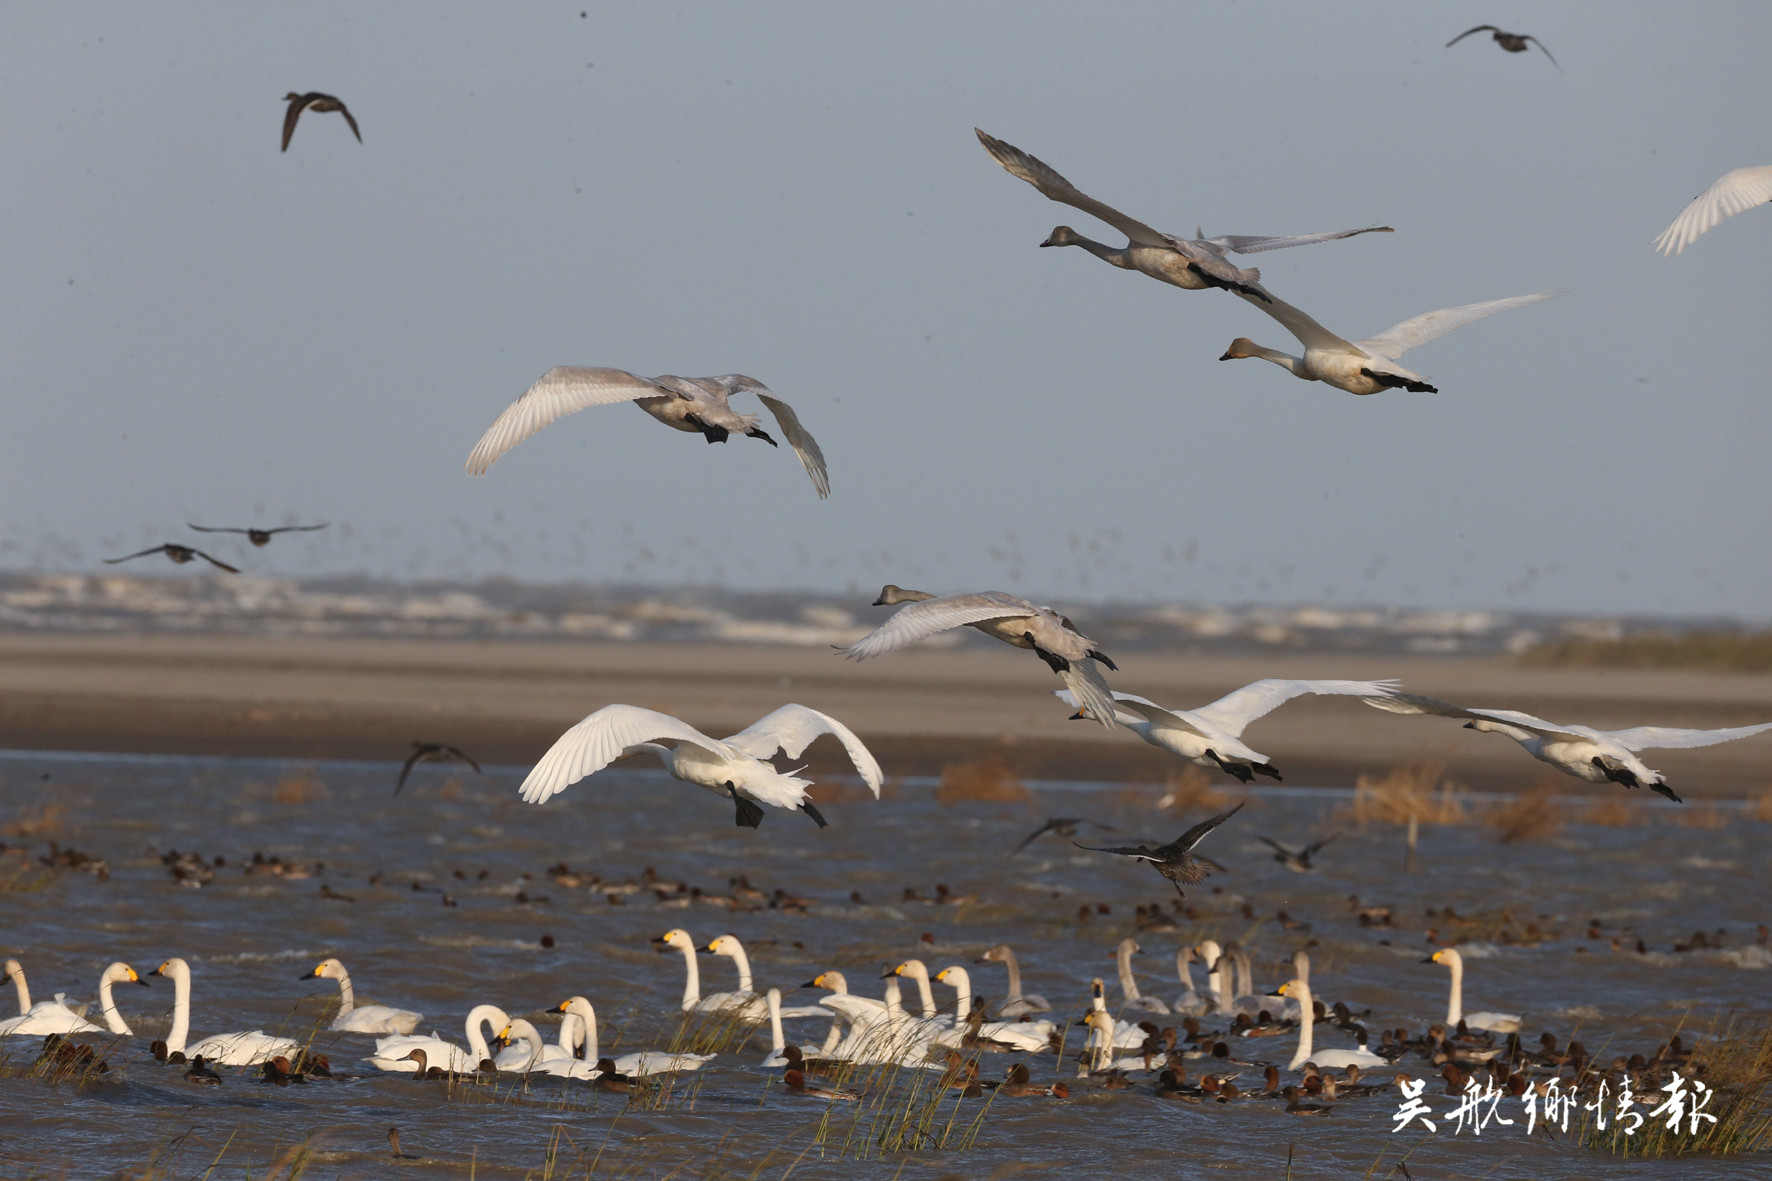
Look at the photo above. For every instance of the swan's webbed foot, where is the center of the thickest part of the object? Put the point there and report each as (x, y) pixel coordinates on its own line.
(1269, 770)
(1098, 654)
(1241, 773)
(812, 811)
(759, 433)
(710, 432)
(1421, 387)
(1212, 280)
(1057, 664)
(1622, 775)
(1661, 788)
(750, 815)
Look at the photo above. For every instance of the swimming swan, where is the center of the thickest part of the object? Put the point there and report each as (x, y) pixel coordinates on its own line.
(736, 768)
(1597, 756)
(353, 1018)
(1051, 636)
(250, 1048)
(57, 1016)
(698, 405)
(1732, 193)
(1190, 1003)
(1299, 991)
(778, 1042)
(1212, 735)
(1016, 1003)
(731, 948)
(1493, 1022)
(1370, 365)
(745, 1006)
(530, 1053)
(391, 1052)
(1128, 986)
(1191, 263)
(1029, 1036)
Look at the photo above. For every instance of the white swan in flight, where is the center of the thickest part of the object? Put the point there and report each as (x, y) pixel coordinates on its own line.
(250, 1048)
(736, 767)
(1052, 637)
(1212, 735)
(391, 1053)
(699, 405)
(1299, 991)
(1493, 1022)
(1192, 263)
(1734, 192)
(1598, 756)
(1370, 365)
(354, 1018)
(57, 1016)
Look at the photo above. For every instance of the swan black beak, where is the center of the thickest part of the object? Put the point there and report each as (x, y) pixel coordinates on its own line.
(879, 602)
(1427, 959)
(1079, 716)
(140, 981)
(889, 973)
(809, 984)
(1227, 356)
(1470, 725)
(305, 976)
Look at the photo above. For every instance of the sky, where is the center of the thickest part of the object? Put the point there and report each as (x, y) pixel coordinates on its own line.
(196, 327)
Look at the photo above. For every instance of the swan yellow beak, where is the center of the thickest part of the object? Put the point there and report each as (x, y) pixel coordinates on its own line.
(561, 1007)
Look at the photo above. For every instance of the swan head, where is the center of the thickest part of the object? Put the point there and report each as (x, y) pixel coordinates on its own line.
(1445, 955)
(995, 955)
(915, 969)
(1129, 946)
(13, 968)
(892, 596)
(1240, 347)
(676, 938)
(1095, 990)
(832, 981)
(1295, 989)
(328, 969)
(292, 96)
(124, 974)
(1062, 236)
(723, 945)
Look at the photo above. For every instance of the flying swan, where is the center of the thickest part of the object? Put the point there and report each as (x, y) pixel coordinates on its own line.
(699, 405)
(736, 768)
(1734, 192)
(1370, 365)
(1192, 263)
(1212, 735)
(1598, 756)
(1052, 637)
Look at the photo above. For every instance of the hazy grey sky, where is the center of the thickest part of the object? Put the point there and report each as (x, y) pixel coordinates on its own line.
(198, 327)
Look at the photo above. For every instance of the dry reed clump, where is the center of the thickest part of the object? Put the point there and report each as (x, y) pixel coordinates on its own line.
(1763, 806)
(988, 779)
(1700, 816)
(1733, 651)
(1532, 815)
(45, 820)
(1736, 1064)
(1611, 811)
(1418, 788)
(1191, 788)
(303, 787)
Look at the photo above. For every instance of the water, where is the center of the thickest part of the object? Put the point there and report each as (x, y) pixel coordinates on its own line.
(248, 937)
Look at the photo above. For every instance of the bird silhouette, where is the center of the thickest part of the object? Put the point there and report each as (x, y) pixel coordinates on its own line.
(261, 537)
(1064, 826)
(1175, 860)
(1512, 42)
(180, 554)
(1299, 861)
(433, 752)
(313, 100)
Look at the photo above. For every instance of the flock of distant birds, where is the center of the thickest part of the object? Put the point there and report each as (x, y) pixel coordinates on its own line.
(739, 767)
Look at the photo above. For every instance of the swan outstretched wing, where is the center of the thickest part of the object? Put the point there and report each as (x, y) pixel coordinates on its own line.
(1668, 738)
(1419, 703)
(1232, 712)
(792, 728)
(917, 621)
(560, 391)
(1043, 177)
(1255, 244)
(1398, 339)
(798, 437)
(1733, 192)
(600, 739)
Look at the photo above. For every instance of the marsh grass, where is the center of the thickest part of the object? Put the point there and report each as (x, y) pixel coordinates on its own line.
(43, 820)
(1417, 789)
(1532, 815)
(1191, 788)
(1762, 809)
(988, 779)
(1736, 1063)
(25, 878)
(1731, 651)
(1610, 811)
(1700, 816)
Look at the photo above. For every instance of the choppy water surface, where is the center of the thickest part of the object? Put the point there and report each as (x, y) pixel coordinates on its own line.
(248, 936)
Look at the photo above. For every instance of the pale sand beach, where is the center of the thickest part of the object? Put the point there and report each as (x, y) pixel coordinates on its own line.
(506, 700)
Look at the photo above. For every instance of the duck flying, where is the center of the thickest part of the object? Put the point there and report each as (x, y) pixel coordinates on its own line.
(1370, 365)
(1064, 826)
(697, 405)
(1512, 42)
(1175, 860)
(180, 554)
(261, 537)
(1597, 756)
(433, 752)
(1050, 636)
(1212, 736)
(1191, 263)
(313, 100)
(735, 767)
(1298, 861)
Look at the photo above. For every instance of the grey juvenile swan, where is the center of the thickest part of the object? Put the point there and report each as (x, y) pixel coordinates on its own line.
(699, 405)
(1193, 263)
(1052, 637)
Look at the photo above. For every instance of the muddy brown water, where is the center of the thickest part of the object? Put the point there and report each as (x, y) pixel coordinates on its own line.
(248, 935)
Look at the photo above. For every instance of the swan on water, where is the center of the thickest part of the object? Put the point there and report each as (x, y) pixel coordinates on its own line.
(744, 1006)
(736, 767)
(391, 1052)
(881, 1032)
(250, 1048)
(1492, 1022)
(1127, 1035)
(1370, 365)
(1597, 756)
(699, 405)
(777, 1040)
(1192, 263)
(732, 949)
(1128, 986)
(1733, 192)
(1212, 735)
(838, 985)
(1299, 991)
(1016, 1003)
(1190, 1003)
(640, 1062)
(1052, 637)
(530, 1053)
(1030, 1036)
(57, 1016)
(354, 1018)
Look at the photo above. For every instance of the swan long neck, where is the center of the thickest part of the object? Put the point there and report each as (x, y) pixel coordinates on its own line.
(1014, 970)
(1245, 975)
(478, 1016)
(1128, 986)
(1306, 1022)
(1301, 965)
(777, 1041)
(1117, 256)
(108, 1007)
(347, 1000)
(961, 979)
(917, 971)
(1184, 966)
(1455, 1000)
(692, 981)
(17, 974)
(742, 962)
(1103, 1025)
(1291, 364)
(1213, 957)
(181, 1008)
(587, 1023)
